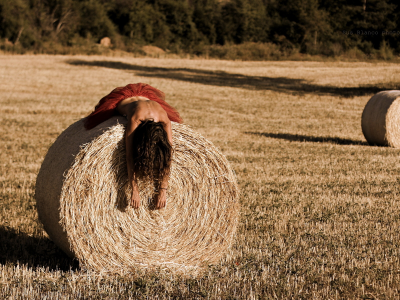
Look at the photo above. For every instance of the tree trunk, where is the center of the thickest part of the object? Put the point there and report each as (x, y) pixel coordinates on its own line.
(19, 35)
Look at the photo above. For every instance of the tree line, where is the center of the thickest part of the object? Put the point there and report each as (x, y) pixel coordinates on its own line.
(324, 27)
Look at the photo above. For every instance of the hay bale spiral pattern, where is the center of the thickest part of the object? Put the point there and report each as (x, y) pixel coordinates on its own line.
(104, 233)
(380, 120)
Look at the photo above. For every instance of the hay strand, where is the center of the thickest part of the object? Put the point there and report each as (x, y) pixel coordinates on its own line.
(93, 222)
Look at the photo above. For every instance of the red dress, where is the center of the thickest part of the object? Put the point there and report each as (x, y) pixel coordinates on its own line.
(107, 106)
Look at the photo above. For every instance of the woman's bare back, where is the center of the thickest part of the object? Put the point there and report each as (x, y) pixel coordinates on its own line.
(140, 108)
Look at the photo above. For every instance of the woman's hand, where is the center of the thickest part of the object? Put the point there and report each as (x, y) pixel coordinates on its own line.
(161, 199)
(135, 199)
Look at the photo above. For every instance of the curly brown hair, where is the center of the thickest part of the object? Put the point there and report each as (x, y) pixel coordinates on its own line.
(151, 151)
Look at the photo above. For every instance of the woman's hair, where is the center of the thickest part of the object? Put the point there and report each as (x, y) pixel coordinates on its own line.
(151, 151)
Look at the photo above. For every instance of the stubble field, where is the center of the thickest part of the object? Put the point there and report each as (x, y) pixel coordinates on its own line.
(320, 214)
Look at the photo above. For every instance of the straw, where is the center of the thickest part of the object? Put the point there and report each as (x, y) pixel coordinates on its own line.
(99, 227)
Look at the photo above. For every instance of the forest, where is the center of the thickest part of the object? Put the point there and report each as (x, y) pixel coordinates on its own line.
(367, 28)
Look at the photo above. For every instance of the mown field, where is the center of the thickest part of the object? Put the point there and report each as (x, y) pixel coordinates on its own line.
(320, 214)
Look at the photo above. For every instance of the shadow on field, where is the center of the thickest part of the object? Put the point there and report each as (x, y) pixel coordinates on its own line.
(18, 247)
(220, 78)
(306, 138)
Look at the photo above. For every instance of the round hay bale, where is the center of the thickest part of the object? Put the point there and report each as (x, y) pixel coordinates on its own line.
(82, 190)
(153, 50)
(105, 42)
(380, 119)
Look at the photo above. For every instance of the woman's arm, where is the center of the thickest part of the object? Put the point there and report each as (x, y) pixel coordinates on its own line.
(168, 128)
(133, 123)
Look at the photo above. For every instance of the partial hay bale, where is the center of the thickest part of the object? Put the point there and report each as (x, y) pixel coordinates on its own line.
(82, 190)
(380, 119)
(153, 50)
(105, 42)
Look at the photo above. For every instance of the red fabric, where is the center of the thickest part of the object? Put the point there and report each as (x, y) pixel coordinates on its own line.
(106, 108)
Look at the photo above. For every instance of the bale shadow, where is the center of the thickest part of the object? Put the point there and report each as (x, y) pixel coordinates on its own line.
(306, 138)
(35, 252)
(221, 78)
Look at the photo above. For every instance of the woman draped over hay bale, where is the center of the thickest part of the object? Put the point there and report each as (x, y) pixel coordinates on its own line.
(98, 162)
(148, 134)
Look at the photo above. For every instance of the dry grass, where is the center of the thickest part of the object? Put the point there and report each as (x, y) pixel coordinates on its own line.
(320, 208)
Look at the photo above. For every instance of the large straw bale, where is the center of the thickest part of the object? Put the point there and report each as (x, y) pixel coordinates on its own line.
(380, 120)
(82, 190)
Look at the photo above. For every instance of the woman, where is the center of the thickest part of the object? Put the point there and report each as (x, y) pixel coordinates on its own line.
(148, 134)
